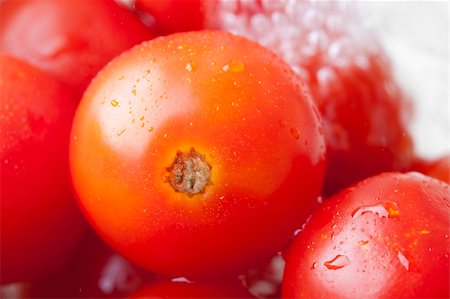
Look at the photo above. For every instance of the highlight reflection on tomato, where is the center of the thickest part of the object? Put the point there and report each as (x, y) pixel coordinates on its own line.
(197, 154)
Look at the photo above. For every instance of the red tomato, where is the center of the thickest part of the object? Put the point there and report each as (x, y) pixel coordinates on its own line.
(71, 39)
(197, 154)
(387, 237)
(439, 169)
(39, 220)
(94, 271)
(186, 289)
(364, 109)
(174, 15)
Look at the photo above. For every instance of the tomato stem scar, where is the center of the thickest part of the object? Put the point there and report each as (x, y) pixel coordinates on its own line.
(189, 173)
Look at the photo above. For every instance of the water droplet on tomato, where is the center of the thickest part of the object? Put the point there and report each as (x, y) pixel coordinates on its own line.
(388, 209)
(338, 262)
(294, 133)
(234, 66)
(314, 265)
(114, 103)
(403, 260)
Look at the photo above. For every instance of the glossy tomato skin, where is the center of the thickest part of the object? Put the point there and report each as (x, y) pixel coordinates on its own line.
(231, 101)
(173, 16)
(185, 289)
(73, 39)
(386, 237)
(40, 220)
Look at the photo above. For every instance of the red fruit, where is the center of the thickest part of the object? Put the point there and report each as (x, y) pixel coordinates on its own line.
(197, 154)
(386, 237)
(39, 220)
(71, 39)
(350, 78)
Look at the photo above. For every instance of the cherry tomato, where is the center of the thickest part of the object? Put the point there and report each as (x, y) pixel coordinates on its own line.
(186, 289)
(439, 168)
(40, 222)
(197, 154)
(72, 39)
(94, 271)
(386, 237)
(174, 15)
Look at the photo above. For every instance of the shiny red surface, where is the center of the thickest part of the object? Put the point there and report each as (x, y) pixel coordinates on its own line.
(233, 102)
(386, 237)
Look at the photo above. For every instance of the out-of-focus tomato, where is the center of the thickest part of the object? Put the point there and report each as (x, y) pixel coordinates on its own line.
(439, 169)
(94, 271)
(386, 237)
(197, 154)
(175, 15)
(71, 39)
(186, 289)
(40, 222)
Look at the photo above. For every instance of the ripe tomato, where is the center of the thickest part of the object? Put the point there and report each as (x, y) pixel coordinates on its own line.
(186, 289)
(197, 154)
(387, 237)
(174, 15)
(72, 39)
(39, 220)
(364, 110)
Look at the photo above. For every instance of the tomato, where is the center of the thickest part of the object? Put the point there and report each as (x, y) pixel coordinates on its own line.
(439, 168)
(365, 111)
(73, 39)
(197, 154)
(94, 271)
(174, 15)
(39, 220)
(187, 289)
(386, 237)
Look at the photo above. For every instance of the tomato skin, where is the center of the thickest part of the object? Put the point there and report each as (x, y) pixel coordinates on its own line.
(58, 40)
(173, 16)
(232, 101)
(386, 237)
(40, 222)
(204, 289)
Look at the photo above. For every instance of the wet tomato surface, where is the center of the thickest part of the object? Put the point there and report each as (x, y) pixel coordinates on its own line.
(197, 154)
(386, 237)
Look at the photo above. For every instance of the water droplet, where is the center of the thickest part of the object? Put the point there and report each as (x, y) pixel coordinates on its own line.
(403, 260)
(314, 266)
(294, 133)
(338, 262)
(114, 103)
(190, 66)
(234, 66)
(122, 77)
(388, 209)
(151, 129)
(424, 232)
